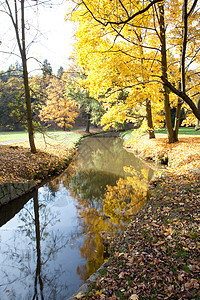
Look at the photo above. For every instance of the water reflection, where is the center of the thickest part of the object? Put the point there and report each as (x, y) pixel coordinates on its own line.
(54, 242)
(35, 248)
(109, 185)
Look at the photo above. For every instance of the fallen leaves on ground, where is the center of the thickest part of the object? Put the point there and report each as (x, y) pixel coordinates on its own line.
(158, 256)
(18, 164)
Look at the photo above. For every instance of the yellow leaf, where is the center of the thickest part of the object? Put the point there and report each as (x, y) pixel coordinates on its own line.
(98, 293)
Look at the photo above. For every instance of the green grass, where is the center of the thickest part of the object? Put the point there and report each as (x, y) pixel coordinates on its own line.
(127, 135)
(51, 135)
(182, 131)
(69, 138)
(13, 135)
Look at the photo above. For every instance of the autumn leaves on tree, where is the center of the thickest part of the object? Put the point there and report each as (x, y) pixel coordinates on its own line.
(139, 56)
(58, 108)
(136, 60)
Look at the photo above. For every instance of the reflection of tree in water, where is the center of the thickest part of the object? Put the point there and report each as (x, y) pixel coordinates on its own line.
(128, 196)
(90, 185)
(106, 194)
(35, 233)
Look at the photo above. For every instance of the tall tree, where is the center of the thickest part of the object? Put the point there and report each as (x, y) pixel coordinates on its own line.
(12, 104)
(77, 90)
(17, 16)
(116, 69)
(60, 72)
(118, 17)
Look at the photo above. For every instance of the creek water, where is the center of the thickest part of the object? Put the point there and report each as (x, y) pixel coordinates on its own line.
(51, 240)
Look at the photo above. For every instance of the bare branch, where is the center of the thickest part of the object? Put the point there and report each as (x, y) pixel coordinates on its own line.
(124, 8)
(192, 8)
(140, 12)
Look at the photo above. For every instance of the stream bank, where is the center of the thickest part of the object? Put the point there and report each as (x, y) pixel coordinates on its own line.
(66, 218)
(157, 256)
(22, 171)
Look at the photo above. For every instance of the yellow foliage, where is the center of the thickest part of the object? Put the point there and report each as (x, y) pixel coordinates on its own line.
(126, 58)
(58, 108)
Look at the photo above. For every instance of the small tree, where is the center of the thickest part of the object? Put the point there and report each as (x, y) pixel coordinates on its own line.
(59, 108)
(46, 68)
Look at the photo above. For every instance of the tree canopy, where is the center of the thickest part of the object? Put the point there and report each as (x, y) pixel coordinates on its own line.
(146, 51)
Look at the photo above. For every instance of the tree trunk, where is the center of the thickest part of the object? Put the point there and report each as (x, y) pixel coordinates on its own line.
(38, 278)
(26, 83)
(88, 122)
(178, 114)
(28, 108)
(197, 127)
(149, 119)
(168, 118)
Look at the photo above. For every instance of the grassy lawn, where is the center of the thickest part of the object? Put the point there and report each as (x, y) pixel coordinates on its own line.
(67, 139)
(182, 131)
(13, 135)
(49, 136)
(127, 135)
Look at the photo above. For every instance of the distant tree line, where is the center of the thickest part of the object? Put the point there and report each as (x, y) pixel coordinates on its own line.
(58, 101)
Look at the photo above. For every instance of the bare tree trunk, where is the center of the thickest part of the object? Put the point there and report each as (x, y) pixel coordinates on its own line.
(177, 118)
(148, 101)
(38, 278)
(22, 48)
(149, 119)
(168, 118)
(26, 83)
(88, 122)
(178, 114)
(197, 127)
(182, 94)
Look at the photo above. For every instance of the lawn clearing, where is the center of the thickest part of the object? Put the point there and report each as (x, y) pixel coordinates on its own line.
(49, 135)
(13, 135)
(182, 131)
(55, 143)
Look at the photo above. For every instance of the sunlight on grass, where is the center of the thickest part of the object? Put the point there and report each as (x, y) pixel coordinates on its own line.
(182, 130)
(13, 135)
(51, 135)
(67, 139)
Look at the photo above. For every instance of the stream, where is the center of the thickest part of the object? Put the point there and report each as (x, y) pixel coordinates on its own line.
(51, 240)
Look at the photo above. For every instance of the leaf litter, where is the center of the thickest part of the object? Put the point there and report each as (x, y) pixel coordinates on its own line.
(158, 255)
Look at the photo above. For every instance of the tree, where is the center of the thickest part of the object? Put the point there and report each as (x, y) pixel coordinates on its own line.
(77, 90)
(12, 104)
(17, 16)
(60, 72)
(121, 19)
(59, 108)
(109, 65)
(46, 68)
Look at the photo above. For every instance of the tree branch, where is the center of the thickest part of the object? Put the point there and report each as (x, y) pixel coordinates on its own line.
(183, 96)
(125, 21)
(192, 8)
(184, 44)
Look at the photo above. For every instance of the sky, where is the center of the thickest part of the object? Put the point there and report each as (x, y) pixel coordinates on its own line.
(52, 41)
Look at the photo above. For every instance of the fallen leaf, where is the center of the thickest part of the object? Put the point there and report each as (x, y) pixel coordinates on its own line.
(79, 296)
(134, 297)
